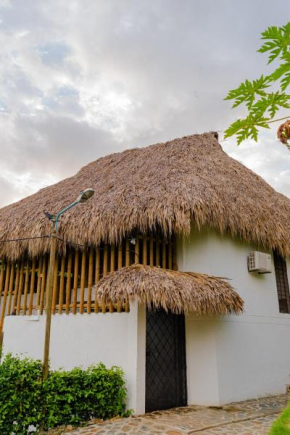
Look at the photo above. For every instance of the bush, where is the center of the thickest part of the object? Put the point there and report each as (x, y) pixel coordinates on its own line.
(79, 395)
(20, 394)
(68, 397)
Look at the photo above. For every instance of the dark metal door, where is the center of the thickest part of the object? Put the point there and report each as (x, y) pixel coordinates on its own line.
(165, 361)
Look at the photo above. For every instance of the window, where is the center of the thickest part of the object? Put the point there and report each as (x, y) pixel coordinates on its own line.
(282, 283)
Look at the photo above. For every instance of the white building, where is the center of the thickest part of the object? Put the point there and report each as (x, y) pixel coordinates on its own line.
(184, 205)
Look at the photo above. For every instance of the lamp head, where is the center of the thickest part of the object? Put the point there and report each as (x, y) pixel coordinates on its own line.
(85, 195)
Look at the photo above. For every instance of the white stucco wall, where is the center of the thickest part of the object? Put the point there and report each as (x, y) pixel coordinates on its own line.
(84, 339)
(232, 358)
(229, 358)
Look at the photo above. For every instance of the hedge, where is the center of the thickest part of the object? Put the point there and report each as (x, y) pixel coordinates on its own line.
(66, 397)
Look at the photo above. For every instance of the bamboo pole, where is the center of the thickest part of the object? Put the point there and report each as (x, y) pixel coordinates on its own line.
(14, 303)
(83, 281)
(26, 288)
(105, 271)
(7, 279)
(144, 250)
(20, 287)
(43, 284)
(120, 256)
(151, 251)
(127, 256)
(164, 254)
(90, 279)
(97, 278)
(127, 264)
(55, 286)
(112, 268)
(32, 285)
(39, 279)
(11, 285)
(61, 285)
(174, 254)
(112, 259)
(76, 276)
(120, 264)
(170, 262)
(68, 282)
(3, 307)
(137, 250)
(157, 250)
(1, 278)
(105, 265)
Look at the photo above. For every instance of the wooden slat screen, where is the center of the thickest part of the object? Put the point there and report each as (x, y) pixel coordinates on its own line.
(23, 283)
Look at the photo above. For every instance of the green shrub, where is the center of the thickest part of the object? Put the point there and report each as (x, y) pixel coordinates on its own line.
(20, 394)
(68, 397)
(79, 395)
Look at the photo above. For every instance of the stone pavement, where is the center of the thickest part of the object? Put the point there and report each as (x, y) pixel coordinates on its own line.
(252, 417)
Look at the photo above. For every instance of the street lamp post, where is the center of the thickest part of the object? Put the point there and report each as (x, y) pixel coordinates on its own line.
(83, 197)
(49, 300)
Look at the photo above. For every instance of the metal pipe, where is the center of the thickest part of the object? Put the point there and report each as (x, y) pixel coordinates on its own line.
(63, 211)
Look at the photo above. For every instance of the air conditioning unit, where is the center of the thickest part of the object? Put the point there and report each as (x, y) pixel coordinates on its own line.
(259, 262)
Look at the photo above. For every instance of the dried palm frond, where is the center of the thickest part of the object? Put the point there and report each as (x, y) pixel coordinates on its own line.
(167, 186)
(179, 292)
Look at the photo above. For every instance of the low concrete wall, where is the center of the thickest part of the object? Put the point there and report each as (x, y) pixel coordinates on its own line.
(231, 360)
(84, 339)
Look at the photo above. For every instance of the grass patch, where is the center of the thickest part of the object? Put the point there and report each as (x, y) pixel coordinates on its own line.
(281, 426)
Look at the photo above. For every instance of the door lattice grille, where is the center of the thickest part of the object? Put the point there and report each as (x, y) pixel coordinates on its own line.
(282, 283)
(165, 361)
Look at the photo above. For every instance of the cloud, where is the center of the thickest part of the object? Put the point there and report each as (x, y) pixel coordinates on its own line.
(268, 158)
(81, 79)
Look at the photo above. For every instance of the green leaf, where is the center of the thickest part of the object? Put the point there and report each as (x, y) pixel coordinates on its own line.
(246, 128)
(262, 105)
(278, 41)
(284, 68)
(285, 82)
(270, 103)
(247, 91)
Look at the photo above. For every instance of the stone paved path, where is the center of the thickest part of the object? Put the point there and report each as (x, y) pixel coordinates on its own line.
(253, 417)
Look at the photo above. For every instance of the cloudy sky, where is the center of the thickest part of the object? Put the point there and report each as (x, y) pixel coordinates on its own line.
(83, 78)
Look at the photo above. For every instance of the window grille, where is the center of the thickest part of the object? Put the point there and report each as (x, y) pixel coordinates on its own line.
(282, 283)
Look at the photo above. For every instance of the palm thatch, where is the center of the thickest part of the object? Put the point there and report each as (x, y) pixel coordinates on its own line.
(180, 292)
(168, 186)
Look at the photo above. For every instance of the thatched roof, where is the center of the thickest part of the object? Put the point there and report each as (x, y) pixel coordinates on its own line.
(167, 185)
(171, 290)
